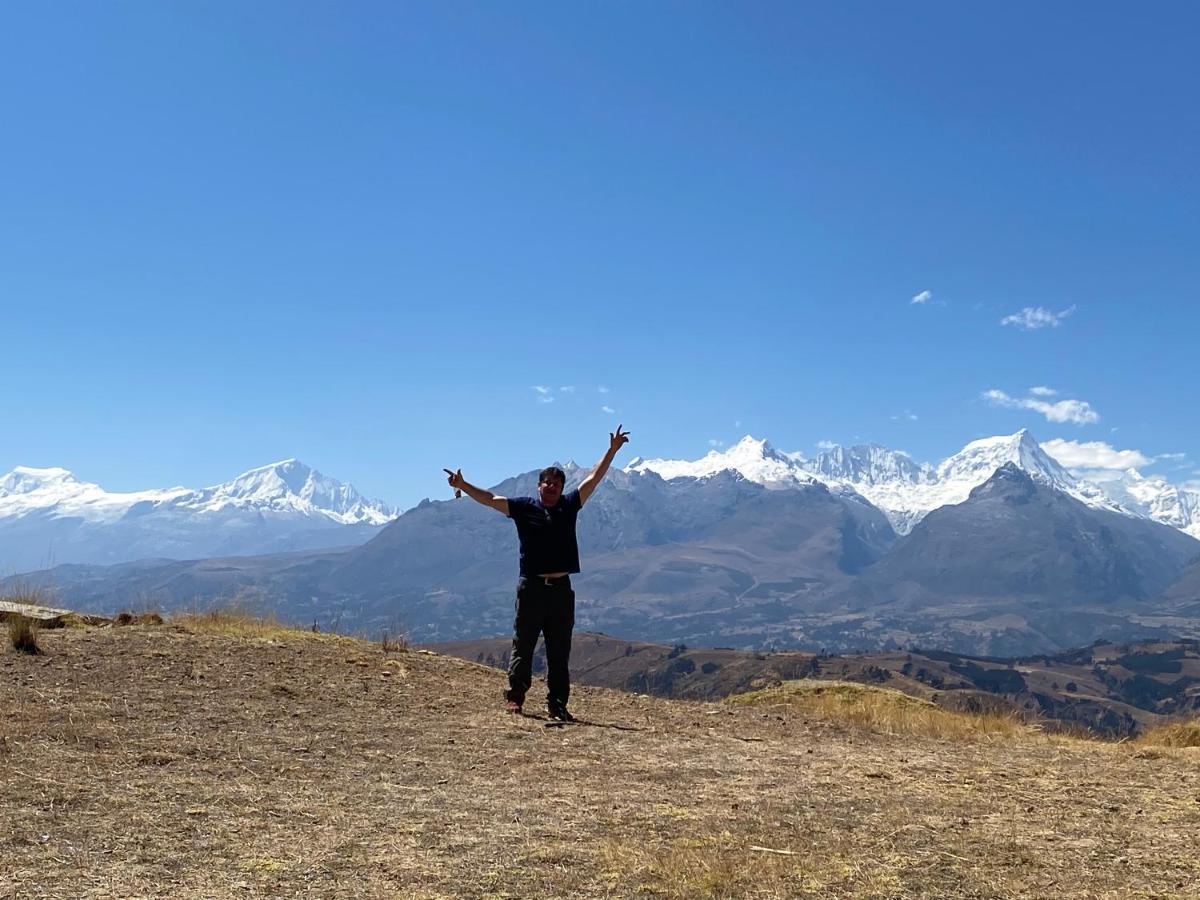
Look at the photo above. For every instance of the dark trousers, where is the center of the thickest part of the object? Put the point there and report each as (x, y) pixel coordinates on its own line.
(548, 609)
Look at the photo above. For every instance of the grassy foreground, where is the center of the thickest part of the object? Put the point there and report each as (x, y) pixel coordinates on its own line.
(228, 757)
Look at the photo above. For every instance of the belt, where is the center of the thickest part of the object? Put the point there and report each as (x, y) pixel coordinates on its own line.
(553, 581)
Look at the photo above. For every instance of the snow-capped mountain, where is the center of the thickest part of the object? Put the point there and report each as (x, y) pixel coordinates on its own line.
(283, 487)
(27, 491)
(951, 482)
(869, 464)
(291, 486)
(1153, 497)
(906, 491)
(50, 515)
(755, 460)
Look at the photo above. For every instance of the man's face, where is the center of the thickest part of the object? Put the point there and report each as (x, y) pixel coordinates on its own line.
(549, 490)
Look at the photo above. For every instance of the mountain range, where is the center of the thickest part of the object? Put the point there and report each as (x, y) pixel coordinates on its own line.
(998, 550)
(907, 491)
(48, 515)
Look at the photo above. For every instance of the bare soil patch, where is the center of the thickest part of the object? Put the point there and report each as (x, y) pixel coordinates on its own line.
(162, 761)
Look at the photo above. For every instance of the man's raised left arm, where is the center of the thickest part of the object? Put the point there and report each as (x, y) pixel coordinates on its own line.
(616, 440)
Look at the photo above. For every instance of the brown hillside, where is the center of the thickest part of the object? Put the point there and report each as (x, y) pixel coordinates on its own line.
(166, 761)
(1110, 690)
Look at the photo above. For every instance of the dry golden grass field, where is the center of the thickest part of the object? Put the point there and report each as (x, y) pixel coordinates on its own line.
(220, 758)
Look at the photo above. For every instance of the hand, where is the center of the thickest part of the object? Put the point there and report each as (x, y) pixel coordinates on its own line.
(455, 481)
(617, 440)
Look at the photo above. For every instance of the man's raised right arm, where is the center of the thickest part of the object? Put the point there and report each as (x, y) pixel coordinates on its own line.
(479, 495)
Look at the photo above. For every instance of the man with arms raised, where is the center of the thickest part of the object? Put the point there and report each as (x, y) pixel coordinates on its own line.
(549, 556)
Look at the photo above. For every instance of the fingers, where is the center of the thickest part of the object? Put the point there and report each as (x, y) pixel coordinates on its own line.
(448, 472)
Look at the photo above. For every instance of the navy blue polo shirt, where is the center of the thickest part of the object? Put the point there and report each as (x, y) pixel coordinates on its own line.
(546, 533)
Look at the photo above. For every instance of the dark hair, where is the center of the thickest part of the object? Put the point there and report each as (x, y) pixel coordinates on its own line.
(556, 472)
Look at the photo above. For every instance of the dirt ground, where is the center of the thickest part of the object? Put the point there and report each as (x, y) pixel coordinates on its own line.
(148, 761)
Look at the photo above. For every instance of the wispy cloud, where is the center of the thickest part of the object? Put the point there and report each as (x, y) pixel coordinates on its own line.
(1171, 456)
(1032, 318)
(713, 442)
(1042, 391)
(602, 389)
(906, 416)
(543, 393)
(826, 445)
(1094, 455)
(1077, 412)
(609, 410)
(923, 297)
(567, 388)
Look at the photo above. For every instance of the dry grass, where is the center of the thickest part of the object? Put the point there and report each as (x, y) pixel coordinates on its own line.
(883, 711)
(1175, 734)
(242, 622)
(25, 594)
(166, 762)
(23, 635)
(393, 642)
(715, 864)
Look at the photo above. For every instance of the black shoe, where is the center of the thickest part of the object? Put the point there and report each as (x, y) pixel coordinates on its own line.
(560, 714)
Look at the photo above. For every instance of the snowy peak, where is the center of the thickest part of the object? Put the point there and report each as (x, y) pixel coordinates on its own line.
(292, 486)
(1151, 496)
(985, 456)
(868, 464)
(26, 480)
(288, 488)
(906, 491)
(976, 462)
(754, 459)
(56, 491)
(267, 482)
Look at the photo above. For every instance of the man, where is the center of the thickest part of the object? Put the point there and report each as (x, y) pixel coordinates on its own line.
(549, 556)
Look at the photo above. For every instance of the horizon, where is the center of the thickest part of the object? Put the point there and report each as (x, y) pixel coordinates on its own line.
(1061, 452)
(385, 241)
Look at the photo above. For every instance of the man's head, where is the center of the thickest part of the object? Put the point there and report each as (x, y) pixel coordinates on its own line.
(551, 482)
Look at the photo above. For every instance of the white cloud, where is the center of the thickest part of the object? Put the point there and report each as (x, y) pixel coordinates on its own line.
(1033, 317)
(1094, 455)
(737, 424)
(923, 297)
(713, 442)
(567, 388)
(1171, 456)
(906, 415)
(602, 389)
(541, 389)
(608, 409)
(544, 395)
(795, 456)
(826, 445)
(1078, 412)
(1042, 391)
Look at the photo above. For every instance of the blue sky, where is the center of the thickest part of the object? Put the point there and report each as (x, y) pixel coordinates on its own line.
(362, 234)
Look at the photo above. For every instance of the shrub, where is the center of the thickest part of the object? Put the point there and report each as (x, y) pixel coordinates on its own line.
(883, 710)
(1175, 734)
(23, 635)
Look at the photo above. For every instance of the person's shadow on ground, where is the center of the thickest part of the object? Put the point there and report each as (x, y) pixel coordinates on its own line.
(559, 723)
